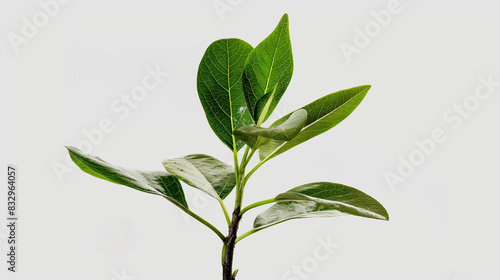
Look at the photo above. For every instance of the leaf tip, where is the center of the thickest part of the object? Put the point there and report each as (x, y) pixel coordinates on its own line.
(384, 215)
(364, 87)
(72, 150)
(284, 21)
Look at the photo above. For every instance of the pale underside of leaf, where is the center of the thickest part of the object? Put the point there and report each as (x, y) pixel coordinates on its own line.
(322, 115)
(283, 132)
(205, 173)
(346, 199)
(289, 210)
(159, 183)
(321, 199)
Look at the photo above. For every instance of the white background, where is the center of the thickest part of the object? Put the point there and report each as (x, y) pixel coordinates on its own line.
(444, 216)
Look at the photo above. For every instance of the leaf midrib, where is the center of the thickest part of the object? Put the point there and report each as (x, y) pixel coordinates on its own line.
(152, 190)
(272, 62)
(331, 203)
(230, 98)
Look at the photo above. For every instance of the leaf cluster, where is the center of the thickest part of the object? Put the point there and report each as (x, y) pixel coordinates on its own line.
(239, 86)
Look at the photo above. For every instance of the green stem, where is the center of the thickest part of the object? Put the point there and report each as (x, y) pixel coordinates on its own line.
(235, 156)
(244, 164)
(236, 173)
(238, 199)
(257, 204)
(240, 175)
(257, 166)
(245, 155)
(248, 233)
(223, 206)
(253, 170)
(209, 225)
(223, 255)
(200, 219)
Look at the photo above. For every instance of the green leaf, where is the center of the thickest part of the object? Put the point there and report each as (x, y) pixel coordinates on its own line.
(322, 115)
(269, 65)
(283, 132)
(220, 88)
(322, 199)
(205, 173)
(157, 182)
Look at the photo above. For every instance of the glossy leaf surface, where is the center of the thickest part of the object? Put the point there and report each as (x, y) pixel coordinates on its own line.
(157, 182)
(220, 88)
(268, 66)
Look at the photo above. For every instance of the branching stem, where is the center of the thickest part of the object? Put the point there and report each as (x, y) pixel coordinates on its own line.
(226, 214)
(200, 219)
(257, 204)
(250, 232)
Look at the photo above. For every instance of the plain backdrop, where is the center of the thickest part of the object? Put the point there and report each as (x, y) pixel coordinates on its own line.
(74, 72)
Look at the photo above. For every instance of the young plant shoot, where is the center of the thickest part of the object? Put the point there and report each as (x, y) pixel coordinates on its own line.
(239, 86)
